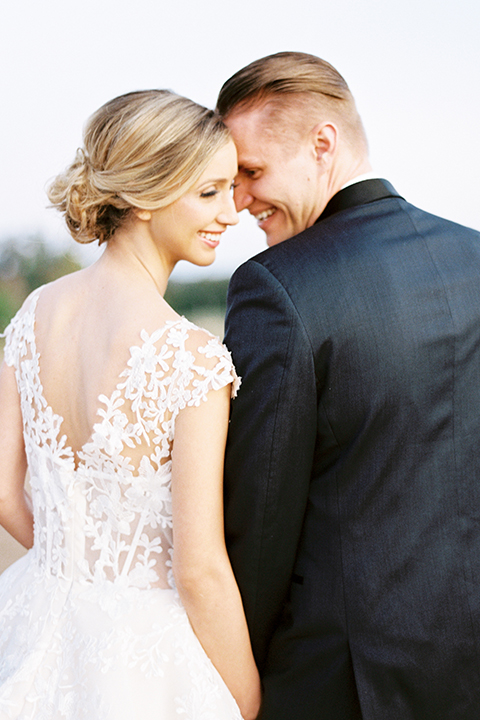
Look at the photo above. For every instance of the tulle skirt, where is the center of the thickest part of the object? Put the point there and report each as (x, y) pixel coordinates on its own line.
(76, 651)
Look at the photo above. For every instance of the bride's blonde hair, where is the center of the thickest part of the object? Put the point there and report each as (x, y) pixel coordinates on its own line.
(143, 149)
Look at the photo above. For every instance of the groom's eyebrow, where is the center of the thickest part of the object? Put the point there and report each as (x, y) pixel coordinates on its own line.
(248, 163)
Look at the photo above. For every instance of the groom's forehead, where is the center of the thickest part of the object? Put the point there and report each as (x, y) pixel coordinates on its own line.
(264, 112)
(282, 120)
(260, 138)
(261, 122)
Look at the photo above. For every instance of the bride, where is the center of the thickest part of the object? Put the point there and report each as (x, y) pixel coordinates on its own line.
(125, 606)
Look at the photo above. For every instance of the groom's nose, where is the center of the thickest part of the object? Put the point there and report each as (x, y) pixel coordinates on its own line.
(241, 194)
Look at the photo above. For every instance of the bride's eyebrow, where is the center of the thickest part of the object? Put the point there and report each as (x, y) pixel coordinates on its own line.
(215, 180)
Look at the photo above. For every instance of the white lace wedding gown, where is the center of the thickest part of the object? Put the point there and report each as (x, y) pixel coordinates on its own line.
(91, 626)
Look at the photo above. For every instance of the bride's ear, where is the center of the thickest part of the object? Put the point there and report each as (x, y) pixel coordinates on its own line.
(142, 214)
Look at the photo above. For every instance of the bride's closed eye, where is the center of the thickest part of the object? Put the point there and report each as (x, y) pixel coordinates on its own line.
(213, 192)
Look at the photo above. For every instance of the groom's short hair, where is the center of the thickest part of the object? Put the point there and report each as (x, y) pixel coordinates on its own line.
(293, 79)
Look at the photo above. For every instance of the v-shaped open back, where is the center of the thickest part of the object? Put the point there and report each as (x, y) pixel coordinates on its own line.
(70, 449)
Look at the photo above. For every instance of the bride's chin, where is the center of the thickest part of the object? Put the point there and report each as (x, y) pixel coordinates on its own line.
(204, 262)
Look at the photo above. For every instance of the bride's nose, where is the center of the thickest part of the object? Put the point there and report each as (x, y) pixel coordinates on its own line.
(228, 214)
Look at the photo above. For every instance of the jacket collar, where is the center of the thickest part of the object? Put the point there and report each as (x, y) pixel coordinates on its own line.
(360, 193)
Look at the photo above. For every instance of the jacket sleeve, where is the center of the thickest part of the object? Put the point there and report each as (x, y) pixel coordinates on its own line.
(271, 444)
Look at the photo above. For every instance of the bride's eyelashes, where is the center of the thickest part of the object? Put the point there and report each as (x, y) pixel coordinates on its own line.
(215, 191)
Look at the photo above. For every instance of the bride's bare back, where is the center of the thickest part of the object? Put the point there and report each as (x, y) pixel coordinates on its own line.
(86, 324)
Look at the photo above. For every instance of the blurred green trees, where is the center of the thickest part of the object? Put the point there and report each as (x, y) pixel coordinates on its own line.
(26, 264)
(191, 299)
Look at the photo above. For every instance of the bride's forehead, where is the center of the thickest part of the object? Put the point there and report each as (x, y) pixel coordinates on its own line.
(222, 166)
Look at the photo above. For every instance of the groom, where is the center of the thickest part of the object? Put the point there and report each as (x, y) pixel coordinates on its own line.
(353, 462)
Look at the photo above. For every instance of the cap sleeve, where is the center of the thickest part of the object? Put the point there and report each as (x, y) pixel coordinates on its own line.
(9, 335)
(223, 370)
(199, 363)
(18, 333)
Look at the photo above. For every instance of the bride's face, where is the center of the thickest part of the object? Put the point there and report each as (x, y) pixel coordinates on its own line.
(191, 227)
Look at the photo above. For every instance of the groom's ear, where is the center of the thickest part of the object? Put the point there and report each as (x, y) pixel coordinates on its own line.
(325, 138)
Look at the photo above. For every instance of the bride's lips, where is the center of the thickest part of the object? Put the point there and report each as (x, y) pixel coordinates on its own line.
(212, 239)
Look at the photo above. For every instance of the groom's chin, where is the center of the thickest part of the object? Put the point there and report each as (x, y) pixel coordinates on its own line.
(275, 238)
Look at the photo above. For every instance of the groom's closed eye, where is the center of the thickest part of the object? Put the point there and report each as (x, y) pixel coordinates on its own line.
(251, 173)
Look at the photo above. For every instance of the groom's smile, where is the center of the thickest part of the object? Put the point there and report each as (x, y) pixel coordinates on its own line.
(261, 216)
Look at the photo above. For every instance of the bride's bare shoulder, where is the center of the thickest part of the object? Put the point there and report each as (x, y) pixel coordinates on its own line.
(85, 294)
(50, 293)
(61, 287)
(115, 315)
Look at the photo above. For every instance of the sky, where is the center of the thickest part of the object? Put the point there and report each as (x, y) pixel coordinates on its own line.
(413, 67)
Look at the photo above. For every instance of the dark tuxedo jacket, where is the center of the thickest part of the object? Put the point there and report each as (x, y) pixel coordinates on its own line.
(353, 463)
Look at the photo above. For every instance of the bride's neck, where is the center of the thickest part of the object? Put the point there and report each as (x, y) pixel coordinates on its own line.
(132, 253)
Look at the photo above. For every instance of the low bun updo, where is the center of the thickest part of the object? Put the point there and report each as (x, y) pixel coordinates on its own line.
(144, 149)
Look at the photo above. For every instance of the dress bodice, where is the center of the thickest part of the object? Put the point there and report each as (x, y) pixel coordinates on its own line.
(103, 515)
